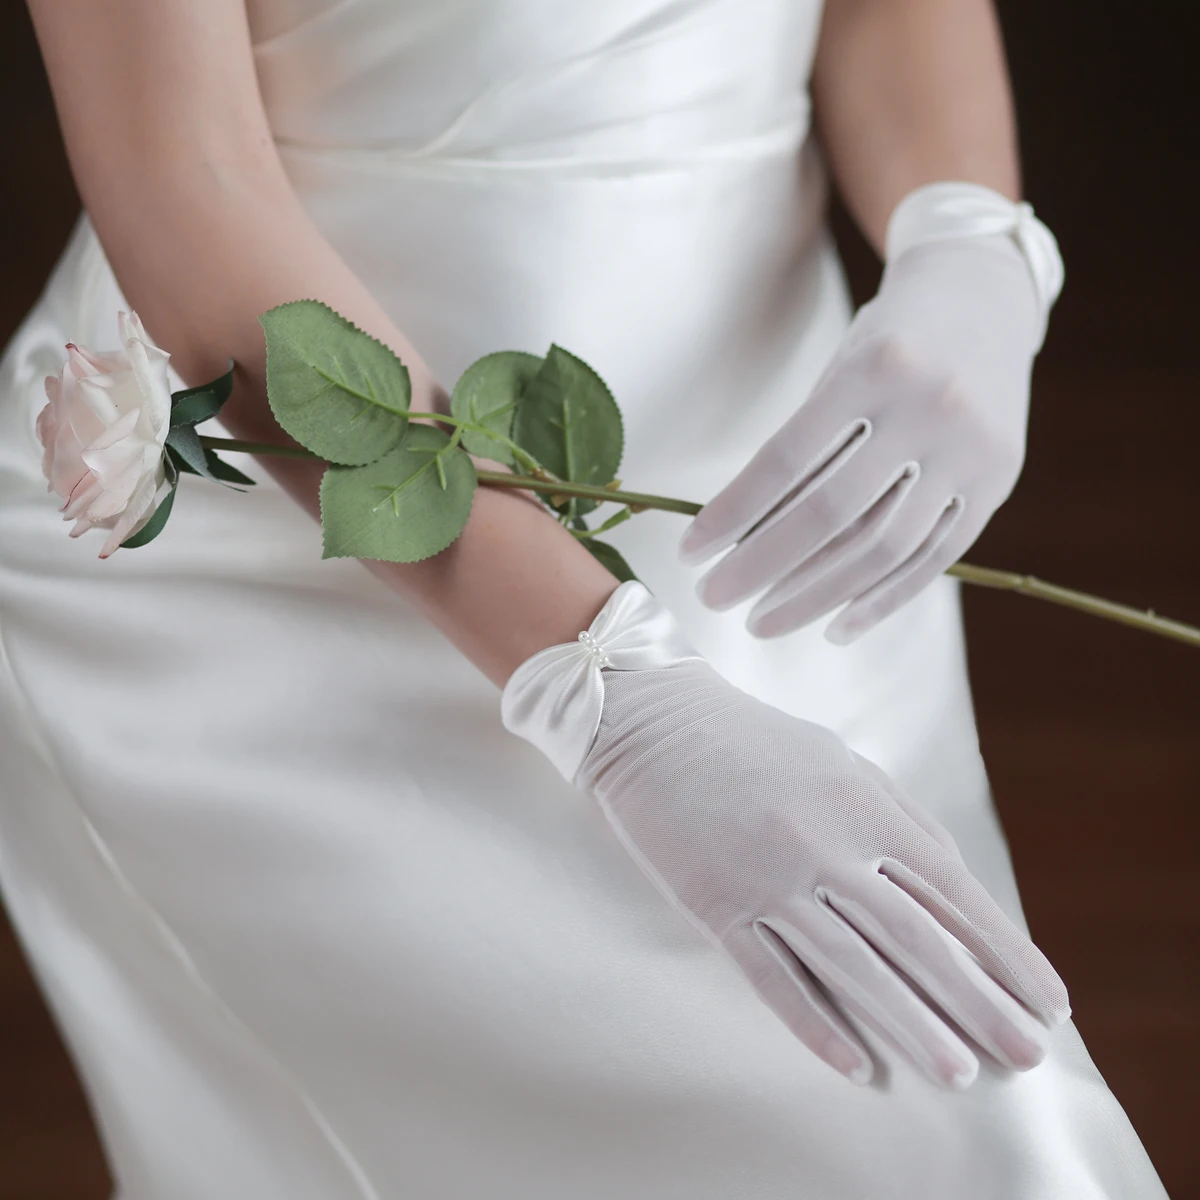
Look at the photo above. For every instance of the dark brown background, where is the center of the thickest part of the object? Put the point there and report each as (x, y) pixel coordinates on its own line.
(1090, 730)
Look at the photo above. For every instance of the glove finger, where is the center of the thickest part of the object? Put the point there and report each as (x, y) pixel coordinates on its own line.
(804, 522)
(873, 547)
(909, 938)
(826, 427)
(949, 539)
(866, 985)
(790, 992)
(964, 908)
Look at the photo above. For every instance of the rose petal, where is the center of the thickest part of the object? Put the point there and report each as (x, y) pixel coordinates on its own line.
(117, 492)
(96, 398)
(87, 490)
(82, 525)
(120, 429)
(149, 367)
(61, 461)
(47, 426)
(97, 363)
(140, 509)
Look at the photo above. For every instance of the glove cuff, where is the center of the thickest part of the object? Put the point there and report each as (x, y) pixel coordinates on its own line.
(940, 211)
(554, 699)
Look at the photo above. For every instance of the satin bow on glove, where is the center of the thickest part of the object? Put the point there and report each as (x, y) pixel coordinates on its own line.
(829, 888)
(912, 438)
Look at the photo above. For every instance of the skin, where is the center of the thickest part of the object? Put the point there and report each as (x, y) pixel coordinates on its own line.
(173, 157)
(909, 92)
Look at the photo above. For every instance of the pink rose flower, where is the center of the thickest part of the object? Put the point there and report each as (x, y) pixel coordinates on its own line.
(103, 432)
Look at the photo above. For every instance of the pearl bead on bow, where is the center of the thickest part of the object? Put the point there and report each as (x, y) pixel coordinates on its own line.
(594, 649)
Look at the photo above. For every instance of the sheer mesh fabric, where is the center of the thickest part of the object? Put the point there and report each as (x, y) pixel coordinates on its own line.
(831, 890)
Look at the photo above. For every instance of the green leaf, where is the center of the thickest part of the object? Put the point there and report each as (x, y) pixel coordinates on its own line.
(224, 472)
(154, 526)
(610, 557)
(183, 445)
(193, 405)
(181, 463)
(405, 507)
(334, 388)
(568, 420)
(487, 393)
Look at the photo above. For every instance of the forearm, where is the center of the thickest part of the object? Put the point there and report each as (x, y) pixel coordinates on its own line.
(515, 581)
(909, 92)
(210, 252)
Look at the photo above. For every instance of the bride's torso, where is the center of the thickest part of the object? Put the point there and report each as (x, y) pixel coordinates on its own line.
(313, 924)
(622, 178)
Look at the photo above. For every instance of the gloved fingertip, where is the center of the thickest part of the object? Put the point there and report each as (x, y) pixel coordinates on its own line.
(714, 591)
(839, 633)
(1023, 1054)
(848, 1059)
(962, 1079)
(1055, 1008)
(694, 547)
(761, 626)
(861, 1073)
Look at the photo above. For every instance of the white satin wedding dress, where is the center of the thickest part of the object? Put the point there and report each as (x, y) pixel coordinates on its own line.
(312, 923)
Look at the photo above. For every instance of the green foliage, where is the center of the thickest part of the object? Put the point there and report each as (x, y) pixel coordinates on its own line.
(406, 506)
(568, 420)
(338, 391)
(401, 492)
(487, 394)
(224, 472)
(188, 455)
(193, 405)
(618, 518)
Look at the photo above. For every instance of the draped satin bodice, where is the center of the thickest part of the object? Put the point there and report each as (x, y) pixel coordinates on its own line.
(629, 82)
(508, 173)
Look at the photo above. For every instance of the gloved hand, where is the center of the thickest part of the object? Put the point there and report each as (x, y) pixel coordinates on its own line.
(912, 438)
(799, 858)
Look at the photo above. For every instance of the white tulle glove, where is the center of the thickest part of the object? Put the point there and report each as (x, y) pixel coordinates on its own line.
(831, 890)
(913, 437)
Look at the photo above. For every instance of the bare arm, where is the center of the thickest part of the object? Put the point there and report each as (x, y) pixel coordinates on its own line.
(909, 92)
(174, 159)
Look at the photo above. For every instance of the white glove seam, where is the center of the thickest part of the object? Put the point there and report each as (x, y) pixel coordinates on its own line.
(981, 933)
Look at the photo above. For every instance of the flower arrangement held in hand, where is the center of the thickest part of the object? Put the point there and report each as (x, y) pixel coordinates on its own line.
(399, 487)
